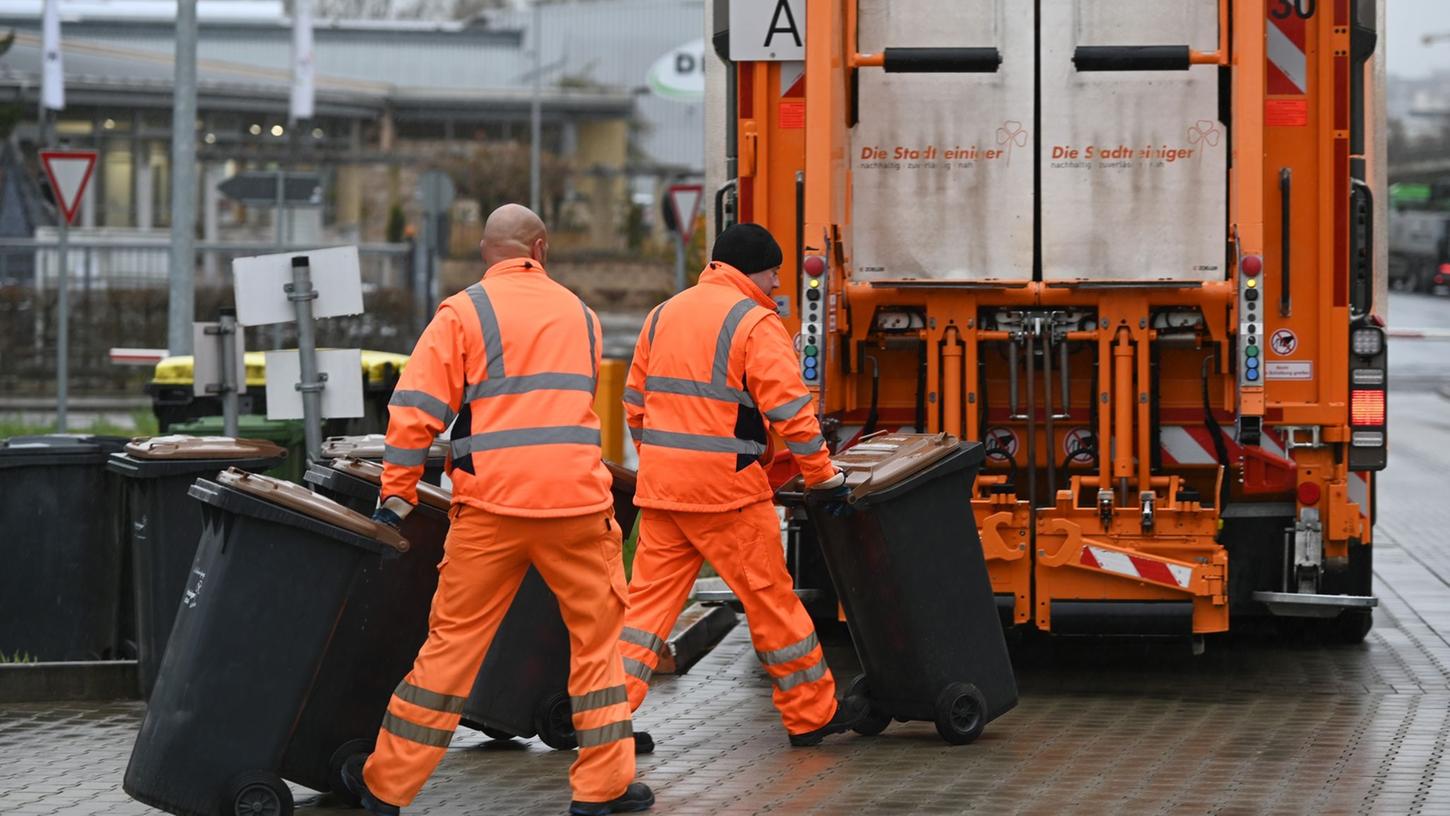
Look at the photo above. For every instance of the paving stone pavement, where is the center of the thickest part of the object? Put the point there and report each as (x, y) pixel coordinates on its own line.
(1257, 725)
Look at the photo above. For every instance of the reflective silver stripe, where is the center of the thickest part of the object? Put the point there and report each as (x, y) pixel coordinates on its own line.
(488, 324)
(694, 388)
(602, 698)
(806, 448)
(737, 313)
(524, 383)
(789, 410)
(605, 734)
(795, 651)
(636, 433)
(522, 437)
(701, 442)
(633, 397)
(589, 330)
(407, 457)
(421, 734)
(446, 703)
(422, 400)
(794, 679)
(637, 669)
(655, 321)
(640, 637)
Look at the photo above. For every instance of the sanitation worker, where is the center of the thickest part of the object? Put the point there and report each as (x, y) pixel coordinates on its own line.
(511, 361)
(711, 367)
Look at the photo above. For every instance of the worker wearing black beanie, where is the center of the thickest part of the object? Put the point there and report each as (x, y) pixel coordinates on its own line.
(753, 252)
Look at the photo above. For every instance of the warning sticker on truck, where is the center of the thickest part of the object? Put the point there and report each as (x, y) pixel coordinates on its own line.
(1298, 370)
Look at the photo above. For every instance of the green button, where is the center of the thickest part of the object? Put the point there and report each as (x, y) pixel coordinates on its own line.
(810, 351)
(1252, 351)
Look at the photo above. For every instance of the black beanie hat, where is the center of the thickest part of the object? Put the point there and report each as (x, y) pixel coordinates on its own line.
(747, 247)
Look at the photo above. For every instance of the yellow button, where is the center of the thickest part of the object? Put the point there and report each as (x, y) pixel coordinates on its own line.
(815, 283)
(1251, 283)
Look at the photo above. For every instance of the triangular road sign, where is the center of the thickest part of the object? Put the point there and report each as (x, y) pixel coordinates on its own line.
(685, 202)
(69, 172)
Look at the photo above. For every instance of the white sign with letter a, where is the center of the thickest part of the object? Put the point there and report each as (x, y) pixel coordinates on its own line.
(767, 30)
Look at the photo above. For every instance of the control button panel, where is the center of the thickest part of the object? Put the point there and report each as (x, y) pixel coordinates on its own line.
(813, 317)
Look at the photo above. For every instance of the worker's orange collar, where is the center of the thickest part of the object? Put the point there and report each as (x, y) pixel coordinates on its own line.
(515, 265)
(723, 274)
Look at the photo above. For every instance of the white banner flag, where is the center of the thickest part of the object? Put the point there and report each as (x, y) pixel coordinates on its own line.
(302, 63)
(52, 78)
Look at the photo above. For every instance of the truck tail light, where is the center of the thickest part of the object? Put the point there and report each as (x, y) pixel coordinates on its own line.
(1368, 341)
(1445, 269)
(1367, 408)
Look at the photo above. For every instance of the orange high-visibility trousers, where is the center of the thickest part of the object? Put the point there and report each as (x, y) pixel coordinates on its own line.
(485, 558)
(744, 547)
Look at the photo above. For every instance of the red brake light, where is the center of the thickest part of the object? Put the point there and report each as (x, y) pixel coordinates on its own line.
(1308, 493)
(1445, 269)
(1252, 265)
(1367, 408)
(815, 265)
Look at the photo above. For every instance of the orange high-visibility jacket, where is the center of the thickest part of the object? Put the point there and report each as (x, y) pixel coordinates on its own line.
(512, 362)
(710, 366)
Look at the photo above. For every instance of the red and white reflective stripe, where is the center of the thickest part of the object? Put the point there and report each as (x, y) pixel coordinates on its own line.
(1288, 66)
(137, 356)
(1193, 445)
(1133, 566)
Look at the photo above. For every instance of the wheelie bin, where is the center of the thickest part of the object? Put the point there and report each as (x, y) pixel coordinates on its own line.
(904, 556)
(162, 525)
(522, 689)
(61, 556)
(377, 638)
(286, 433)
(371, 446)
(268, 585)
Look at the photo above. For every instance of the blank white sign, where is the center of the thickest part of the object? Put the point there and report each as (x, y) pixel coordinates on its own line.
(260, 284)
(342, 398)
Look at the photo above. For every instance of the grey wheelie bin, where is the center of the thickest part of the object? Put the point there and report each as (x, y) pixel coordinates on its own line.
(377, 638)
(268, 585)
(61, 561)
(371, 447)
(522, 689)
(904, 556)
(162, 524)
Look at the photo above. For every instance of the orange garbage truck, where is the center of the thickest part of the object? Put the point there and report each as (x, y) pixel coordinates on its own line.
(1131, 246)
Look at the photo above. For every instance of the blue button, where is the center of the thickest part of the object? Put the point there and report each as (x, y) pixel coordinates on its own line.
(1252, 374)
(1252, 362)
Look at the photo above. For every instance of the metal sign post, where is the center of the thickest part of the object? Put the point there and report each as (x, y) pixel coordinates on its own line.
(301, 293)
(68, 171)
(218, 367)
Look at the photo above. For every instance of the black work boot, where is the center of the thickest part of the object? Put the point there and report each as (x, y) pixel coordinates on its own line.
(643, 743)
(637, 797)
(850, 711)
(352, 777)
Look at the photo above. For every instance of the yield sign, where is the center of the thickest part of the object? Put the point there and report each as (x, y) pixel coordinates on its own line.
(685, 203)
(69, 171)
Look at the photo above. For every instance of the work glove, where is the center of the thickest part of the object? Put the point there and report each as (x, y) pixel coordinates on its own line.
(834, 494)
(391, 511)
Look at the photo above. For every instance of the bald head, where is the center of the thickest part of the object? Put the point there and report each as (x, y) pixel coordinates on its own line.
(513, 231)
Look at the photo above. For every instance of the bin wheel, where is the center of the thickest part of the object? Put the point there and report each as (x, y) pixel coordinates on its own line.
(346, 751)
(961, 713)
(875, 722)
(259, 793)
(554, 722)
(497, 734)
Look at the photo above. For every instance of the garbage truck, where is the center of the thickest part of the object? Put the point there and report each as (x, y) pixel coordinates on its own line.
(1133, 247)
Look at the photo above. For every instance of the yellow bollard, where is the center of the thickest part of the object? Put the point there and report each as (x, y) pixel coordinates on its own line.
(609, 405)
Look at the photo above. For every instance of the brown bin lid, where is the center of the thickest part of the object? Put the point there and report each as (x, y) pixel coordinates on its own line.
(370, 471)
(181, 446)
(878, 462)
(298, 498)
(623, 476)
(370, 446)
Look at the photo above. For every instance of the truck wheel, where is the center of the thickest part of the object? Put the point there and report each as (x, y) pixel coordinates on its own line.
(961, 713)
(554, 722)
(875, 722)
(1352, 626)
(257, 794)
(340, 757)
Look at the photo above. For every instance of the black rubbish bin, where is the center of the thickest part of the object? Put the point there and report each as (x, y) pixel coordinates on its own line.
(379, 634)
(522, 689)
(908, 566)
(163, 524)
(371, 447)
(269, 583)
(61, 562)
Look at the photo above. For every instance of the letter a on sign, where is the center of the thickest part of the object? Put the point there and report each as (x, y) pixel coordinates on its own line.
(767, 30)
(68, 171)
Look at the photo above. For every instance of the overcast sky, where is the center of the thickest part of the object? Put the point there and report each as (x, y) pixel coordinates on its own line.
(1409, 20)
